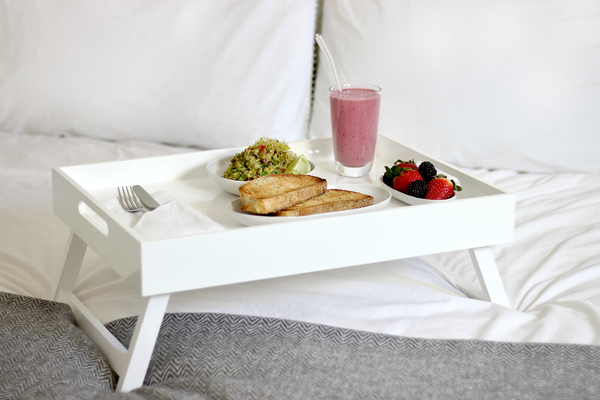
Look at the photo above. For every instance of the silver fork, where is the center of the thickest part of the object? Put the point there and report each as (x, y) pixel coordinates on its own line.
(129, 200)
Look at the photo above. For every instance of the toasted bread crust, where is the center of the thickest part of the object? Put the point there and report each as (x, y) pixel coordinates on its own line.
(332, 200)
(272, 193)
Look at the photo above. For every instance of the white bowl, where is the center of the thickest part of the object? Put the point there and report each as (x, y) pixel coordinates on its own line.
(413, 201)
(217, 168)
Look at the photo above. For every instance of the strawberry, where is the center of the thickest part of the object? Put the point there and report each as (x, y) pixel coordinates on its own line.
(406, 164)
(405, 178)
(392, 173)
(441, 188)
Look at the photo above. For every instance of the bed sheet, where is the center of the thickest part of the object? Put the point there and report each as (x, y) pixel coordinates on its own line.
(551, 271)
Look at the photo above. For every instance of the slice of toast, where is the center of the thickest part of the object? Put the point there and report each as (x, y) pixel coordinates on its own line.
(331, 200)
(272, 193)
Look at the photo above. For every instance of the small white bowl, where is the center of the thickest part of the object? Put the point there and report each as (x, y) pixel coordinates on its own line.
(413, 201)
(217, 168)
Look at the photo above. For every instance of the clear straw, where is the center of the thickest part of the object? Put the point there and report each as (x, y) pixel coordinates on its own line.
(329, 60)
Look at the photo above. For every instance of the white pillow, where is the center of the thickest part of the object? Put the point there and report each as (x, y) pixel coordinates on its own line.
(205, 73)
(497, 84)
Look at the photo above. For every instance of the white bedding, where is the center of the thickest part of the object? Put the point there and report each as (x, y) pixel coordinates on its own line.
(551, 271)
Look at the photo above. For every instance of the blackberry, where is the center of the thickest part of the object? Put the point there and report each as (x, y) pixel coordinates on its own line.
(417, 189)
(427, 171)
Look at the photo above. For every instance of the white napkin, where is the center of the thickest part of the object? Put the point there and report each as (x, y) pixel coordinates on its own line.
(173, 218)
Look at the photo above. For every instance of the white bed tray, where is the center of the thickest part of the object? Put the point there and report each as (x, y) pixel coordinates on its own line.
(482, 215)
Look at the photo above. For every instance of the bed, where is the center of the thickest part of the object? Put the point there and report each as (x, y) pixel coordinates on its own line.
(504, 91)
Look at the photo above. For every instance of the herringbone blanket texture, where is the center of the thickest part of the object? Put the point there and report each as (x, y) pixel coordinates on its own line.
(220, 356)
(43, 355)
(241, 357)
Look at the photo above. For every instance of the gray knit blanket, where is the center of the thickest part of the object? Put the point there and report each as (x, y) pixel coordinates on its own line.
(220, 356)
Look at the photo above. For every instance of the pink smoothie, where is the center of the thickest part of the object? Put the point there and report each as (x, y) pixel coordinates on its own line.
(354, 119)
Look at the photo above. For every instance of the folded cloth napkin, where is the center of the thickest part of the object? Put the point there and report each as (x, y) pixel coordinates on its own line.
(173, 218)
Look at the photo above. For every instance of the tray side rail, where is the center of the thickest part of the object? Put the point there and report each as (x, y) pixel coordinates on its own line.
(261, 252)
(112, 240)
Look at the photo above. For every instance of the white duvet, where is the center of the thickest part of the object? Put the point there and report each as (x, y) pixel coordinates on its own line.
(551, 271)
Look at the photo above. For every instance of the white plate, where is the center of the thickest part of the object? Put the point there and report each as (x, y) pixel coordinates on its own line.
(381, 198)
(413, 201)
(217, 168)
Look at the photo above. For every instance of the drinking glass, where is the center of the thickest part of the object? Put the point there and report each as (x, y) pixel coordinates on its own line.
(354, 120)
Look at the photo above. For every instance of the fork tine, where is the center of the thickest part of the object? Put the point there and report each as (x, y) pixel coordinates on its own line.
(122, 199)
(134, 199)
(128, 200)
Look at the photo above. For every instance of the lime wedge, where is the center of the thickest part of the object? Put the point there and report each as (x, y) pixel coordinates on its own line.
(299, 166)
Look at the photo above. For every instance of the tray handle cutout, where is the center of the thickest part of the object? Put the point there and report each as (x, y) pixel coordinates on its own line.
(93, 218)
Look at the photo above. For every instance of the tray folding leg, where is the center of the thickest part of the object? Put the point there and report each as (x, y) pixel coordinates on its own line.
(132, 369)
(488, 275)
(131, 365)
